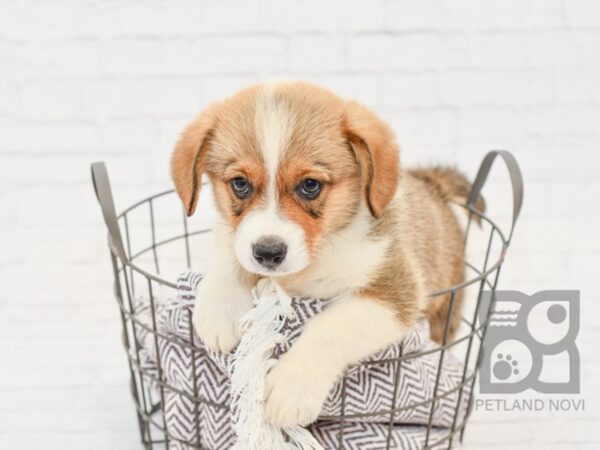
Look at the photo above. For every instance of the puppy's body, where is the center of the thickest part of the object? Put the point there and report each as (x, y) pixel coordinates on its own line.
(310, 190)
(415, 249)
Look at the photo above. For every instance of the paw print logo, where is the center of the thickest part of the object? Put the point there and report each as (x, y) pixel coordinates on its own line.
(529, 341)
(509, 363)
(505, 367)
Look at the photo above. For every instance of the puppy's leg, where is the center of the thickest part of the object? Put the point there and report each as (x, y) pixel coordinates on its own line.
(220, 302)
(437, 314)
(348, 331)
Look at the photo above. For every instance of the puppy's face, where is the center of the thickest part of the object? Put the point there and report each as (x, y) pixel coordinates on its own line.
(289, 164)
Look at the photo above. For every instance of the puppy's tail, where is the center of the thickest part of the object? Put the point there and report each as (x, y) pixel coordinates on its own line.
(449, 183)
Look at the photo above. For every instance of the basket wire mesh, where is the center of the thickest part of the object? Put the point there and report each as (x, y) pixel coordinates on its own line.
(137, 272)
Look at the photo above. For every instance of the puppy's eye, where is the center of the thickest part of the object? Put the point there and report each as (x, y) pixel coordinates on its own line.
(309, 189)
(241, 187)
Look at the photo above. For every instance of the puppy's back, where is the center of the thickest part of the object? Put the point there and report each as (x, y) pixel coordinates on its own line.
(429, 229)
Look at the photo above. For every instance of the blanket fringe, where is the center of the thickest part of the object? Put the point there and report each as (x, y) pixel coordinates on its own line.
(261, 332)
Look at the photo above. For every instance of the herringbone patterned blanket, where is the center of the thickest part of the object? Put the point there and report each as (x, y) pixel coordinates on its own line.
(369, 388)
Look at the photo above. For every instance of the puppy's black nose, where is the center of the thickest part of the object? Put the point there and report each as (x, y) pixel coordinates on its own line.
(269, 251)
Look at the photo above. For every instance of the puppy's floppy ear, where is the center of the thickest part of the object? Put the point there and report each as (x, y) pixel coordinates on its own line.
(189, 155)
(377, 154)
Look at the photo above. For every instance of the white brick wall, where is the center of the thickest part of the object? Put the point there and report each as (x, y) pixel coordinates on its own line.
(91, 80)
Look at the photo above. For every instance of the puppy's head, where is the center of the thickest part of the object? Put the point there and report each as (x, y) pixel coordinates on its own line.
(289, 164)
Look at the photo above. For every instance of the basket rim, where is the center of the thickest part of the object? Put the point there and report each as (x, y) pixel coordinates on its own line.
(480, 276)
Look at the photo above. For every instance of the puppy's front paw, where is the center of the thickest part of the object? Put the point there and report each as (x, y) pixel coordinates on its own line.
(218, 330)
(216, 316)
(295, 392)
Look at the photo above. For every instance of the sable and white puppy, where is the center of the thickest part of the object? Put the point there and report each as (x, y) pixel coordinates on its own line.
(310, 191)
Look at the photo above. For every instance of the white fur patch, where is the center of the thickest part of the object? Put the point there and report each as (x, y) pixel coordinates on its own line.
(348, 331)
(273, 125)
(347, 260)
(217, 310)
(267, 221)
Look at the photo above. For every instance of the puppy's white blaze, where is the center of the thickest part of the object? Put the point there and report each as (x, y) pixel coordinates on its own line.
(267, 221)
(273, 125)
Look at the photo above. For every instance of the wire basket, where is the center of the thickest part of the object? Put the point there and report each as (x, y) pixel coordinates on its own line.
(144, 241)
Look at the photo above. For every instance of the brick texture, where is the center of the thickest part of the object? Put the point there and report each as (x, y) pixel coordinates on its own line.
(82, 81)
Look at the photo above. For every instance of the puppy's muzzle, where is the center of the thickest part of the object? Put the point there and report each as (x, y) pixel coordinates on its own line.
(269, 251)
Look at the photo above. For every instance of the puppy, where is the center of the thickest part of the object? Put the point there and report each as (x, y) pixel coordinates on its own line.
(310, 191)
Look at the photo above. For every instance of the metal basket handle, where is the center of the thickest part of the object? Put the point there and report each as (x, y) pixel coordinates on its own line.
(103, 192)
(516, 180)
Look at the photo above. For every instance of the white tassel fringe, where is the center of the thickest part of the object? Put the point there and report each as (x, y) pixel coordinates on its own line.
(261, 332)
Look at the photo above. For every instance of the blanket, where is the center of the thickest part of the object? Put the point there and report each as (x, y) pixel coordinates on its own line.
(369, 388)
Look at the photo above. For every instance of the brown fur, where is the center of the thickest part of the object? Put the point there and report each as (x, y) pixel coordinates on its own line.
(451, 184)
(377, 155)
(443, 185)
(187, 163)
(354, 154)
